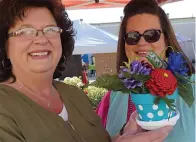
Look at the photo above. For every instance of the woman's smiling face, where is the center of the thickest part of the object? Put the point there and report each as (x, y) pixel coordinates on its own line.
(140, 23)
(40, 54)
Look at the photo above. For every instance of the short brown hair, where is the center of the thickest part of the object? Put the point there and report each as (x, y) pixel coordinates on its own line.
(13, 10)
(135, 7)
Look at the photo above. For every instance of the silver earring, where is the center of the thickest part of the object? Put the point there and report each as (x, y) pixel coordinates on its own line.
(64, 59)
(7, 68)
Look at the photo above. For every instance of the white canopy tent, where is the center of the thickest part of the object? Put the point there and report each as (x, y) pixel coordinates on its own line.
(187, 46)
(91, 40)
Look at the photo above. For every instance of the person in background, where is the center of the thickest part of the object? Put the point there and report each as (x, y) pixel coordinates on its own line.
(145, 27)
(36, 38)
(84, 73)
(93, 71)
(85, 58)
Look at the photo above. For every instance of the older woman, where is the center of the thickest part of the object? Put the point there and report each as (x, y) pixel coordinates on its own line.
(145, 27)
(36, 38)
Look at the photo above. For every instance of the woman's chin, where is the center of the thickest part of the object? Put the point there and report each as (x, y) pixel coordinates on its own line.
(42, 69)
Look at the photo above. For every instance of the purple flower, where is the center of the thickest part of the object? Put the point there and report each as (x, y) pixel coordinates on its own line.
(131, 83)
(121, 75)
(124, 69)
(138, 67)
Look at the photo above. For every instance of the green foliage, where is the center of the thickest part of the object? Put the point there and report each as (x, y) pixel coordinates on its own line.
(140, 77)
(169, 102)
(110, 82)
(75, 81)
(186, 92)
(95, 95)
(185, 89)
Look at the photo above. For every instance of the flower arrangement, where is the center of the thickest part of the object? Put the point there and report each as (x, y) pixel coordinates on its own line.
(75, 81)
(154, 86)
(94, 94)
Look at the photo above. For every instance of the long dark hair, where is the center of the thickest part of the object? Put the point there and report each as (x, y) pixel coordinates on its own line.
(13, 10)
(135, 7)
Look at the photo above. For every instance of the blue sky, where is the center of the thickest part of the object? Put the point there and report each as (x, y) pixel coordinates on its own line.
(181, 9)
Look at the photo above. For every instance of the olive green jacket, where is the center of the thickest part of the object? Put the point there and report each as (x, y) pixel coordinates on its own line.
(22, 120)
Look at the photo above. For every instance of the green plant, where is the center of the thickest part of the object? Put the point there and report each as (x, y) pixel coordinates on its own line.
(95, 95)
(75, 81)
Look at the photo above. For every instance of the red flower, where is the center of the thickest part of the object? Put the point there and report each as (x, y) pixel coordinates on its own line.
(85, 92)
(162, 83)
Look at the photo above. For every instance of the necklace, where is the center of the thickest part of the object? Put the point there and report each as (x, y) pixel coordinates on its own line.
(22, 86)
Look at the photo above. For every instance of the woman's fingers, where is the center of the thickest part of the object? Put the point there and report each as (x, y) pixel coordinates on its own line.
(132, 127)
(153, 136)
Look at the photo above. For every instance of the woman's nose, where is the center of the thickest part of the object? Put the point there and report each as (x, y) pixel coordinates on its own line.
(40, 38)
(142, 41)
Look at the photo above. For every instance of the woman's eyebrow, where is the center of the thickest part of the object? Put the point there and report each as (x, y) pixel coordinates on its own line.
(51, 25)
(30, 26)
(26, 26)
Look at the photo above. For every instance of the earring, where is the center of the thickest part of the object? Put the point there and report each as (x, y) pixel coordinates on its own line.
(6, 62)
(63, 59)
(171, 48)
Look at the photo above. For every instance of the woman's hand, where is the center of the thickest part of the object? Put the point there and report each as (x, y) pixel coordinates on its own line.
(134, 133)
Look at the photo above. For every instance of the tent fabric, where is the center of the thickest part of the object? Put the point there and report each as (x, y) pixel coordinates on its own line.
(187, 46)
(90, 39)
(87, 4)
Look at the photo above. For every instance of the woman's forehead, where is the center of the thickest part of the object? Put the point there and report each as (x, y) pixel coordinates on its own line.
(142, 22)
(35, 17)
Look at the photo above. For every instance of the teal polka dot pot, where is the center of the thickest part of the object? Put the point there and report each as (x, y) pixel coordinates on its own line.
(148, 111)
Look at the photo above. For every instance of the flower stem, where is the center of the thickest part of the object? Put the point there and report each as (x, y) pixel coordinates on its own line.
(143, 89)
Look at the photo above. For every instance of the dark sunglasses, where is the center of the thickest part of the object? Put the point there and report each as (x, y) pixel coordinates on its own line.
(150, 36)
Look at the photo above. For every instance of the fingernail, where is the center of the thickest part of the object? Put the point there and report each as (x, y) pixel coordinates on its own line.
(134, 114)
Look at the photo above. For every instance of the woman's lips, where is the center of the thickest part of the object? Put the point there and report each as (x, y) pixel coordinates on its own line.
(40, 55)
(142, 53)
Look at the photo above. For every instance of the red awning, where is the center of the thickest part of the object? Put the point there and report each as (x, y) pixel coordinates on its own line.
(91, 4)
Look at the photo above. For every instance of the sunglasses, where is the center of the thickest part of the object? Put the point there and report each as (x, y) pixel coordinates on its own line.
(150, 36)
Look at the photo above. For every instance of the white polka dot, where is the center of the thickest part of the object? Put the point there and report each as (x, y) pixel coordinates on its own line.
(167, 106)
(140, 116)
(150, 115)
(155, 107)
(170, 114)
(160, 113)
(140, 107)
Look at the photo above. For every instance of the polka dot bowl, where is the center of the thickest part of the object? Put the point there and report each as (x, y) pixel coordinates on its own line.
(148, 111)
